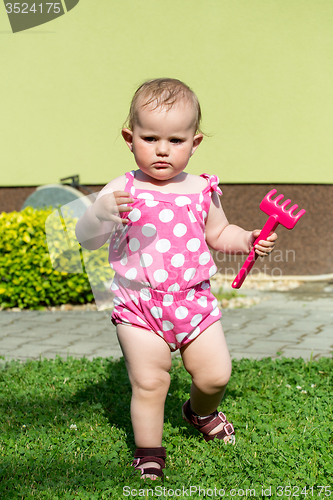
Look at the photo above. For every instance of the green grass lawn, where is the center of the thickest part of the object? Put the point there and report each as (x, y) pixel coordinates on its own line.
(66, 433)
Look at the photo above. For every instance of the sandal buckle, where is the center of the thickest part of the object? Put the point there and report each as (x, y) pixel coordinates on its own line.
(222, 416)
(229, 429)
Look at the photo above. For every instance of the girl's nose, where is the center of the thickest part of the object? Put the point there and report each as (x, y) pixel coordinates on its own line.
(162, 148)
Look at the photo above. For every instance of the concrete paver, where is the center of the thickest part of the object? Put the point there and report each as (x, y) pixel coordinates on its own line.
(264, 346)
(306, 354)
(297, 323)
(284, 335)
(238, 339)
(311, 342)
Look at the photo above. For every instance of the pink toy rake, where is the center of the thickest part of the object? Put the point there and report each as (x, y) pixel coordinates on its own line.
(278, 214)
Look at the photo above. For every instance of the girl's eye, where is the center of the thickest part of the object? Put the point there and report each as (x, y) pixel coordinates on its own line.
(176, 141)
(150, 139)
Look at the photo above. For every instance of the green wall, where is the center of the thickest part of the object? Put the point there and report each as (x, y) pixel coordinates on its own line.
(262, 69)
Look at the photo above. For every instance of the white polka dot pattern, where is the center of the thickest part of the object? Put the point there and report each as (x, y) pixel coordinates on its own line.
(180, 336)
(151, 204)
(179, 230)
(146, 260)
(149, 199)
(123, 260)
(189, 274)
(190, 295)
(117, 301)
(160, 275)
(134, 215)
(134, 244)
(204, 258)
(182, 201)
(181, 312)
(148, 230)
(167, 300)
(156, 312)
(145, 294)
(126, 321)
(134, 298)
(193, 244)
(176, 317)
(215, 312)
(145, 196)
(166, 215)
(131, 274)
(196, 319)
(178, 260)
(214, 303)
(141, 320)
(194, 334)
(202, 301)
(167, 325)
(212, 271)
(164, 246)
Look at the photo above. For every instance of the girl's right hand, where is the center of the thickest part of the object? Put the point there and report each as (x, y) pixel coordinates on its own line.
(109, 206)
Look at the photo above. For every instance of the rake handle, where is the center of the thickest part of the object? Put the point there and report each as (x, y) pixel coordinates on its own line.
(270, 225)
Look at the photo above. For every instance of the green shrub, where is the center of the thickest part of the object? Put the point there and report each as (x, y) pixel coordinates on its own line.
(29, 277)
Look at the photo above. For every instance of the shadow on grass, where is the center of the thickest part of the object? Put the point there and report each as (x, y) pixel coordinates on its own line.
(42, 453)
(66, 430)
(114, 396)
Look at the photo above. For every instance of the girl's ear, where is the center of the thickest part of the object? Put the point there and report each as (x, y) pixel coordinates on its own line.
(196, 142)
(128, 137)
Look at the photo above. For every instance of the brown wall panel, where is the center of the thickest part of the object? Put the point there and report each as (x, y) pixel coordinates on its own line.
(305, 250)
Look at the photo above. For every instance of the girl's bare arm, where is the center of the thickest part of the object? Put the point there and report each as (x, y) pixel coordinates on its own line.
(95, 226)
(229, 238)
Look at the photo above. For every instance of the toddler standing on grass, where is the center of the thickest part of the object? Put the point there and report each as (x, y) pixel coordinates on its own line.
(165, 221)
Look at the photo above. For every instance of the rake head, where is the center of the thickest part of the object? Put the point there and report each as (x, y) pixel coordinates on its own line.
(285, 216)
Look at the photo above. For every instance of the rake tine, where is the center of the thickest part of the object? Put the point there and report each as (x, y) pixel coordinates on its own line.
(270, 194)
(278, 198)
(292, 209)
(300, 213)
(284, 204)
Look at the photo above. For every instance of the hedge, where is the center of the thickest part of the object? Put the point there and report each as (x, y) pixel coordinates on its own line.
(39, 268)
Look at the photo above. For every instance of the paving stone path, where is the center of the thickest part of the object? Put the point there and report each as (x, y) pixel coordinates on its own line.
(296, 323)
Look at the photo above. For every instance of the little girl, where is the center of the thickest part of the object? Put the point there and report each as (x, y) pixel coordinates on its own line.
(166, 220)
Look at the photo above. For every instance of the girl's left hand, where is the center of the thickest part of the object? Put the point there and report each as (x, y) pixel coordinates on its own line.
(263, 247)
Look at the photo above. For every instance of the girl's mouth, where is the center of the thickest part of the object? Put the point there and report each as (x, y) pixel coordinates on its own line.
(161, 164)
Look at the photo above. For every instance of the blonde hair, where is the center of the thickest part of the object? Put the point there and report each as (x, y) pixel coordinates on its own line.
(162, 92)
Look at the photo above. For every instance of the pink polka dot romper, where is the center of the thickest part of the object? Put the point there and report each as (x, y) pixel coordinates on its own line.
(163, 265)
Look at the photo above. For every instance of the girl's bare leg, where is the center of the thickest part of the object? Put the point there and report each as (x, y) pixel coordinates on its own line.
(148, 361)
(208, 362)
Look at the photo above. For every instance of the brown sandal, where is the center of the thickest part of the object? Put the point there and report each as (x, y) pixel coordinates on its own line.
(144, 455)
(207, 424)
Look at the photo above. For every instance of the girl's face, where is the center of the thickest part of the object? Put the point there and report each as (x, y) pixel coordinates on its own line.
(163, 140)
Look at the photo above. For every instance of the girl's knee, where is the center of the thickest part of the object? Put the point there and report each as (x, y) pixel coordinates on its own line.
(212, 382)
(152, 383)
